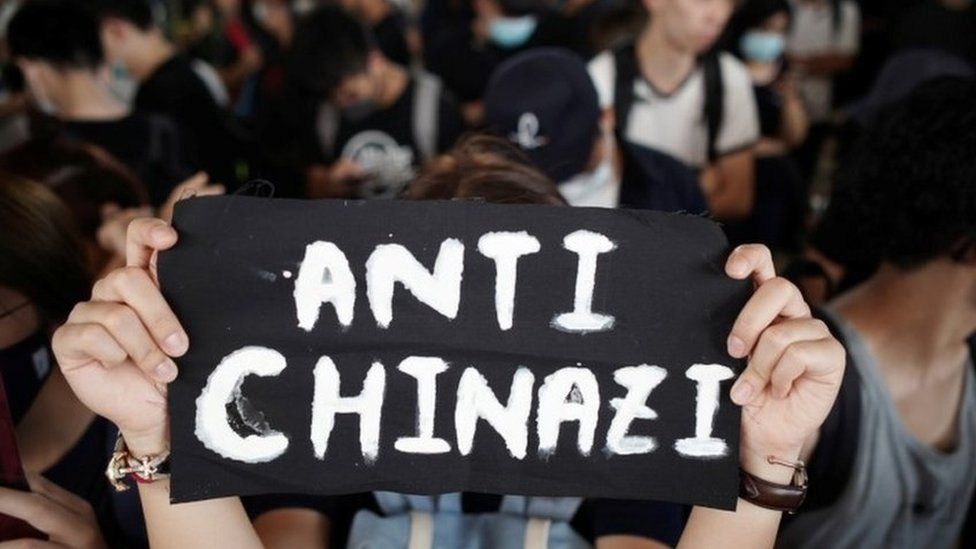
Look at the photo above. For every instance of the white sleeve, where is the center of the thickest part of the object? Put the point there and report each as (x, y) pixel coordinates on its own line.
(849, 36)
(603, 72)
(740, 120)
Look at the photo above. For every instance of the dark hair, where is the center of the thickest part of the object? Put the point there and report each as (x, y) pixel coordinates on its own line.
(909, 193)
(750, 15)
(137, 12)
(329, 46)
(82, 175)
(61, 32)
(484, 168)
(515, 8)
(40, 253)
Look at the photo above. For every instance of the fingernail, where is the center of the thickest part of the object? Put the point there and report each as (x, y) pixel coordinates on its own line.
(175, 344)
(160, 233)
(166, 371)
(738, 267)
(737, 347)
(741, 392)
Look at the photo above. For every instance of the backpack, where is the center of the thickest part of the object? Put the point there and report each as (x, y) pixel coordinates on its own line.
(625, 59)
(423, 522)
(425, 117)
(653, 180)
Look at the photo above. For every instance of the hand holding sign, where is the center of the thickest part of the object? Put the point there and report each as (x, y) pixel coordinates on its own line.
(795, 365)
(112, 352)
(115, 349)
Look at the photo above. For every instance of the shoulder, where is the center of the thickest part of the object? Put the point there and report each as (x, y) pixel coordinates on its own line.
(602, 66)
(734, 73)
(603, 72)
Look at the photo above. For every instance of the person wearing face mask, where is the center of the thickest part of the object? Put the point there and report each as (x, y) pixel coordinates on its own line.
(465, 50)
(56, 45)
(544, 102)
(669, 91)
(43, 274)
(757, 35)
(823, 43)
(170, 84)
(372, 123)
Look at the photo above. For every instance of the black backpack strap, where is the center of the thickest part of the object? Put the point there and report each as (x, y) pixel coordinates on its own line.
(837, 14)
(968, 537)
(625, 61)
(972, 349)
(714, 100)
(832, 461)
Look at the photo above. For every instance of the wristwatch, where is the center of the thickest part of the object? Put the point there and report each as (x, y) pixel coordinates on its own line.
(778, 497)
(144, 469)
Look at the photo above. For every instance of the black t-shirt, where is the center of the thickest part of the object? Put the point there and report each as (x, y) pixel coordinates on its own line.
(384, 143)
(594, 519)
(149, 145)
(769, 104)
(213, 140)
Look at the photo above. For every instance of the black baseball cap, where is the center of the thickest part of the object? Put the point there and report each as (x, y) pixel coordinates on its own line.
(545, 103)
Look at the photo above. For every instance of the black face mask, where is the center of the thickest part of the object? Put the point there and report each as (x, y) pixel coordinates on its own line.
(25, 365)
(360, 111)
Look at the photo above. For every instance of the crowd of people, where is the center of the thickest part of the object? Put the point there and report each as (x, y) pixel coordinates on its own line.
(834, 140)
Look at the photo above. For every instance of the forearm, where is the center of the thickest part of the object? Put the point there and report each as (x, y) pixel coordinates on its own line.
(204, 524)
(732, 191)
(749, 525)
(795, 124)
(827, 64)
(52, 426)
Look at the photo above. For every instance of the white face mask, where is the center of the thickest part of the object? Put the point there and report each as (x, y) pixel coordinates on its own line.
(121, 84)
(45, 106)
(599, 188)
(39, 97)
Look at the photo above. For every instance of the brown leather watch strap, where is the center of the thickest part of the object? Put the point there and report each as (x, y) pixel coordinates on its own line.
(778, 497)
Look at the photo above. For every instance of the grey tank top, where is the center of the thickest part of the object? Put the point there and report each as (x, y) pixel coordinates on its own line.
(901, 492)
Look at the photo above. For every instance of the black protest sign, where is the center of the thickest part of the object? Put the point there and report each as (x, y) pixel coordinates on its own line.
(431, 347)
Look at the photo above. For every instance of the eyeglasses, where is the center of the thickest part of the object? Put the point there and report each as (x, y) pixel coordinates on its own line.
(14, 309)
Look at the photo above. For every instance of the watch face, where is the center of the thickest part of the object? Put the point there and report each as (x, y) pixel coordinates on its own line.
(12, 474)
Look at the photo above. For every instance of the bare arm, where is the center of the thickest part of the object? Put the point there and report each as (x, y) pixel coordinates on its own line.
(791, 381)
(730, 186)
(794, 125)
(52, 426)
(287, 528)
(205, 524)
(628, 542)
(827, 64)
